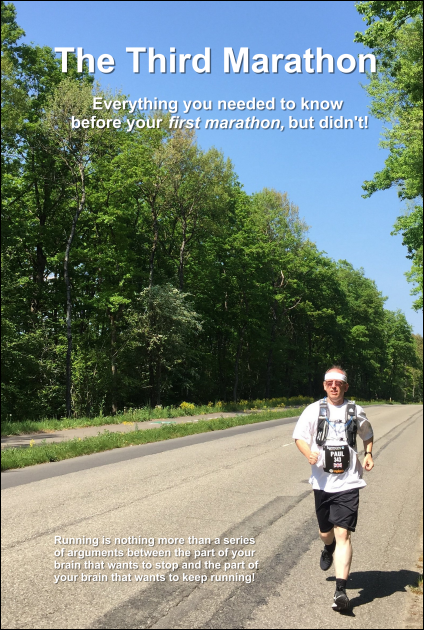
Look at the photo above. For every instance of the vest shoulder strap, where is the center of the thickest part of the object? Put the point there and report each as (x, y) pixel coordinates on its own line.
(323, 417)
(351, 409)
(351, 423)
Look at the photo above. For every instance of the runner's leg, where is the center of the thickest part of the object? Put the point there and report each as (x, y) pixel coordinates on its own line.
(342, 553)
(327, 537)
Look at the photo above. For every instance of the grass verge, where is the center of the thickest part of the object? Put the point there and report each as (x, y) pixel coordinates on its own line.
(10, 427)
(22, 457)
(144, 414)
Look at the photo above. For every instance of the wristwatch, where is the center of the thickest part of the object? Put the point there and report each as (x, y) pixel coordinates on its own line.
(368, 453)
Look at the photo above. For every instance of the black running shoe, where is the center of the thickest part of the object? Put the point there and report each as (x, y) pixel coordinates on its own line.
(341, 600)
(326, 560)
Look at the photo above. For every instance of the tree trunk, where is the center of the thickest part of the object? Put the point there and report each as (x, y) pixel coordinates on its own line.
(220, 360)
(158, 382)
(270, 356)
(40, 266)
(236, 370)
(68, 296)
(182, 250)
(154, 245)
(310, 386)
(269, 373)
(41, 260)
(113, 363)
(152, 387)
(153, 356)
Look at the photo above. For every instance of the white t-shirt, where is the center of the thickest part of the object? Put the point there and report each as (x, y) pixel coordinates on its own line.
(306, 429)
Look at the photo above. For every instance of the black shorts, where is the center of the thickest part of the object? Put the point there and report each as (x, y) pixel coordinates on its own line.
(337, 508)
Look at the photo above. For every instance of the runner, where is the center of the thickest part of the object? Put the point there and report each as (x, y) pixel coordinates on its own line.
(326, 435)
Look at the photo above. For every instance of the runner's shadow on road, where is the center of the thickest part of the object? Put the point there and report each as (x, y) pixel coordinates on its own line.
(378, 584)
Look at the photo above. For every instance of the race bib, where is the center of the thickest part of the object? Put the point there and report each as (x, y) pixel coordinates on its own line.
(336, 459)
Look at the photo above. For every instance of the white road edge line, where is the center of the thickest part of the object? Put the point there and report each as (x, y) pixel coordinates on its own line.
(287, 444)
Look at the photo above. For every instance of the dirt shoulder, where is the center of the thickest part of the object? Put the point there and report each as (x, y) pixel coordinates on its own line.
(47, 437)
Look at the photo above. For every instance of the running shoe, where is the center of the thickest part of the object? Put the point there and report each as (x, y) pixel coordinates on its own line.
(326, 560)
(341, 600)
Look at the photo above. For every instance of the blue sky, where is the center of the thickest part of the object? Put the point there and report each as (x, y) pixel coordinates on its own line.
(321, 170)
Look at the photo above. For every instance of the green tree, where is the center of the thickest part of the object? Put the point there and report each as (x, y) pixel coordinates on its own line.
(416, 371)
(161, 322)
(33, 189)
(74, 147)
(400, 356)
(395, 34)
(410, 225)
(198, 185)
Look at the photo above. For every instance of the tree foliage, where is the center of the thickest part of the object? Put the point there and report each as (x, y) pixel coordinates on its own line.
(395, 34)
(136, 270)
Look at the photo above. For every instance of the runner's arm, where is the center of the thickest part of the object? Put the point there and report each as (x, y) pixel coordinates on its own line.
(368, 461)
(311, 456)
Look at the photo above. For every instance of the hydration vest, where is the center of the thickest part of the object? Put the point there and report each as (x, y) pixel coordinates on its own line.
(351, 423)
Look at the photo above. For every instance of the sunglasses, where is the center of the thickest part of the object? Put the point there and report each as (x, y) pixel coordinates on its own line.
(336, 383)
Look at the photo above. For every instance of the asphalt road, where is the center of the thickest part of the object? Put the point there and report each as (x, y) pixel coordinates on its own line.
(244, 484)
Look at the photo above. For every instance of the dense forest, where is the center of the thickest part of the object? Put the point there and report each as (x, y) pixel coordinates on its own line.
(137, 271)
